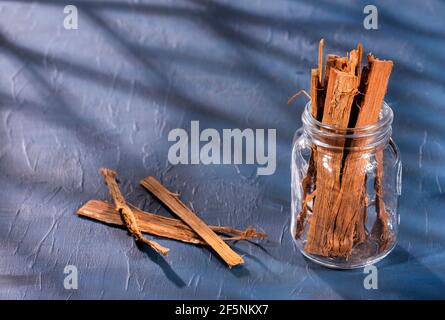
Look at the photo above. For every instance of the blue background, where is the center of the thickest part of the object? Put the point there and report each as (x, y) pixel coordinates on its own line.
(108, 93)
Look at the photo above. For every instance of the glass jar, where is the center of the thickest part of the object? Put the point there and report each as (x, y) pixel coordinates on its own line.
(345, 187)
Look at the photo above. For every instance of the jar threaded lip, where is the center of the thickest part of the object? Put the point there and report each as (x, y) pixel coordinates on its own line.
(368, 136)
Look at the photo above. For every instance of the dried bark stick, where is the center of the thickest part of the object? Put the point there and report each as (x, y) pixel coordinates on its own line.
(340, 91)
(320, 61)
(308, 182)
(172, 201)
(309, 179)
(379, 72)
(158, 225)
(374, 90)
(315, 89)
(376, 86)
(127, 214)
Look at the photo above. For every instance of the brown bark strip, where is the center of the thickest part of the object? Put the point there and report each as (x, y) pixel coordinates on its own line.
(158, 225)
(376, 86)
(330, 63)
(359, 59)
(126, 212)
(309, 179)
(306, 185)
(317, 112)
(354, 61)
(380, 228)
(378, 78)
(360, 225)
(172, 201)
(340, 91)
(315, 88)
(335, 62)
(320, 61)
(377, 83)
(347, 208)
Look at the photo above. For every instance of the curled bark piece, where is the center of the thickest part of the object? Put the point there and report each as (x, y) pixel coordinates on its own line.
(249, 233)
(126, 212)
(192, 220)
(297, 94)
(160, 226)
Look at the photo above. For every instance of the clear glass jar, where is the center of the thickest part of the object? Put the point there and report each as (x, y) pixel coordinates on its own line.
(345, 187)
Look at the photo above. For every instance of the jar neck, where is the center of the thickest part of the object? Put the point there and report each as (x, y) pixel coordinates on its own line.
(368, 137)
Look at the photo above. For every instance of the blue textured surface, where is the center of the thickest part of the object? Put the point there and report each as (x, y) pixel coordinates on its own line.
(108, 93)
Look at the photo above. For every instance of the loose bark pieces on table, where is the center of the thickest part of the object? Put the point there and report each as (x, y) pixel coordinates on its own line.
(171, 200)
(159, 225)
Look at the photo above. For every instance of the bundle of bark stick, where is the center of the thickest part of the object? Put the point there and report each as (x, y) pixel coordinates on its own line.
(344, 96)
(189, 228)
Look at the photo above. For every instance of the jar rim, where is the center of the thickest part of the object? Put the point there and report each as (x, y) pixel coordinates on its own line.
(385, 119)
(368, 136)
